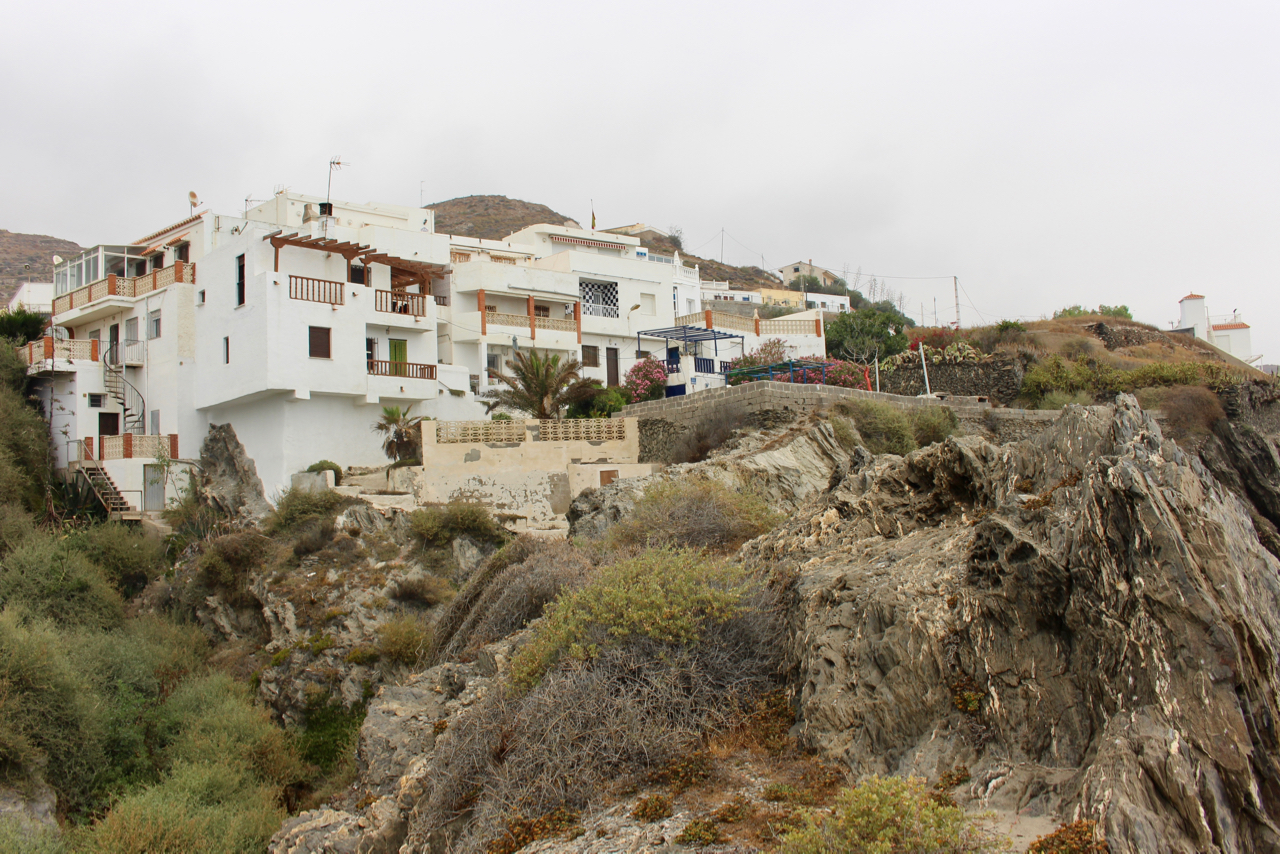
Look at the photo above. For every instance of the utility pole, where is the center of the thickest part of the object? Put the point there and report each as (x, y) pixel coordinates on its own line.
(955, 282)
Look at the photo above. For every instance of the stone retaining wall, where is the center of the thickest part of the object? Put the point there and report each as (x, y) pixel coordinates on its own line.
(999, 379)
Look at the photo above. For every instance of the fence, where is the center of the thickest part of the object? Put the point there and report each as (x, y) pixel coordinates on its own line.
(568, 430)
(477, 432)
(315, 290)
(43, 349)
(555, 324)
(129, 446)
(499, 318)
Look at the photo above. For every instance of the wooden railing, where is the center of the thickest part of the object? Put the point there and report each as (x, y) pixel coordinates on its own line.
(316, 290)
(441, 299)
(398, 302)
(408, 370)
(555, 324)
(44, 349)
(123, 286)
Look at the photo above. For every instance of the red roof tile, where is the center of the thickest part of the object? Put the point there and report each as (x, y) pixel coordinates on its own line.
(1218, 326)
(1192, 296)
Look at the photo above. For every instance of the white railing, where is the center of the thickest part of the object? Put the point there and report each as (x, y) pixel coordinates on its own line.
(594, 310)
(134, 352)
(583, 430)
(688, 274)
(478, 432)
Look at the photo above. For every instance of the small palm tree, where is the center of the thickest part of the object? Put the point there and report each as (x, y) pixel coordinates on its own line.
(540, 384)
(401, 432)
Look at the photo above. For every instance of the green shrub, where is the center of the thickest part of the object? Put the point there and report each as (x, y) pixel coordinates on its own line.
(129, 558)
(48, 712)
(933, 424)
(329, 730)
(16, 525)
(1117, 311)
(699, 833)
(198, 807)
(296, 507)
(694, 512)
(1059, 399)
(328, 465)
(406, 640)
(50, 580)
(652, 808)
(664, 595)
(846, 433)
(1102, 380)
(17, 837)
(24, 449)
(229, 560)
(884, 429)
(500, 416)
(437, 524)
(889, 814)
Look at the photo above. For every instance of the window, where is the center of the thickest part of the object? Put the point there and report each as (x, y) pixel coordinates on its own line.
(239, 280)
(155, 422)
(200, 298)
(157, 261)
(490, 309)
(590, 356)
(795, 269)
(599, 299)
(459, 257)
(371, 349)
(183, 252)
(541, 311)
(642, 354)
(226, 351)
(95, 335)
(648, 305)
(131, 329)
(494, 362)
(318, 342)
(153, 324)
(97, 401)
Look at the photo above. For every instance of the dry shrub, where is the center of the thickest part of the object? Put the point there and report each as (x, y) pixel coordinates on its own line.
(405, 639)
(296, 507)
(229, 560)
(933, 424)
(1078, 837)
(1059, 399)
(627, 711)
(51, 580)
(1190, 410)
(652, 808)
(314, 535)
(846, 433)
(1079, 348)
(694, 512)
(699, 833)
(437, 524)
(884, 429)
(696, 444)
(461, 609)
(430, 590)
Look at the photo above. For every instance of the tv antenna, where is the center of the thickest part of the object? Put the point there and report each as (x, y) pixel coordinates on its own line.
(335, 165)
(193, 200)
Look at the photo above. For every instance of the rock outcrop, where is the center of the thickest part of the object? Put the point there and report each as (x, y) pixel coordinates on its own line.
(228, 477)
(1086, 620)
(787, 466)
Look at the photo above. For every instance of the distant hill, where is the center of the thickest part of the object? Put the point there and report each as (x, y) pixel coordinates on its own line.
(749, 278)
(492, 217)
(18, 250)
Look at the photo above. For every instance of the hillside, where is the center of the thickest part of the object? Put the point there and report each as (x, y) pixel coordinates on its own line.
(18, 250)
(709, 270)
(492, 217)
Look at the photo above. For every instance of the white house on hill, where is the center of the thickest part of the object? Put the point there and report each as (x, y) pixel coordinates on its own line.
(1226, 332)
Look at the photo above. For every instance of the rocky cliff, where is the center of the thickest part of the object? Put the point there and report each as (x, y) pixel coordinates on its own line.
(1086, 620)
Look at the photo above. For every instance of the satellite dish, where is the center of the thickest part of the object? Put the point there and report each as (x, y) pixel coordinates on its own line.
(193, 199)
(57, 259)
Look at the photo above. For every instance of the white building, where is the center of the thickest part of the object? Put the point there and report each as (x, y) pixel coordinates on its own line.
(1226, 332)
(33, 296)
(298, 321)
(721, 292)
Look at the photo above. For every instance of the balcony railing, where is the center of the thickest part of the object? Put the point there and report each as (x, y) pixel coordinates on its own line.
(441, 299)
(407, 370)
(123, 286)
(43, 349)
(398, 302)
(555, 324)
(788, 327)
(316, 290)
(501, 319)
(130, 446)
(594, 310)
(134, 352)
(673, 366)
(703, 365)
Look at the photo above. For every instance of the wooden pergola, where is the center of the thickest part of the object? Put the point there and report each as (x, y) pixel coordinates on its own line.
(405, 273)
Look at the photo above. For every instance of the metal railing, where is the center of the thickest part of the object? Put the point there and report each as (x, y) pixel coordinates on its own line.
(408, 370)
(702, 365)
(672, 366)
(594, 310)
(399, 302)
(123, 391)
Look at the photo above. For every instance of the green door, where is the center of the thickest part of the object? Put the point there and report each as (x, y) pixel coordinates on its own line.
(399, 356)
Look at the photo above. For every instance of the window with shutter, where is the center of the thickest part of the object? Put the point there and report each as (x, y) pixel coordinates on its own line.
(318, 339)
(590, 356)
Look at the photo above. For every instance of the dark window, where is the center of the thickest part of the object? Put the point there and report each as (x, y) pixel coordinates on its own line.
(226, 351)
(96, 401)
(157, 261)
(239, 280)
(318, 341)
(371, 349)
(795, 269)
(183, 252)
(590, 356)
(358, 275)
(541, 311)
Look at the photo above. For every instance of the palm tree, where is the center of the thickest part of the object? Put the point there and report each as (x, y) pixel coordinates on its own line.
(540, 384)
(402, 434)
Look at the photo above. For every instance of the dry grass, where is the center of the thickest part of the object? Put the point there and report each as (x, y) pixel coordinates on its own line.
(694, 512)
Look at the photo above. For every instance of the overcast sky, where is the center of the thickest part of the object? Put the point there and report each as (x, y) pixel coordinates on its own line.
(1046, 153)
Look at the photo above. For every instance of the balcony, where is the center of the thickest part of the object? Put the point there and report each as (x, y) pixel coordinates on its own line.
(51, 350)
(131, 446)
(400, 302)
(405, 370)
(498, 318)
(755, 326)
(122, 286)
(316, 290)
